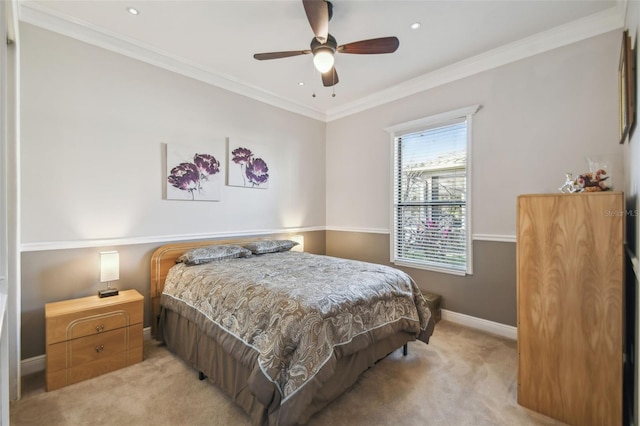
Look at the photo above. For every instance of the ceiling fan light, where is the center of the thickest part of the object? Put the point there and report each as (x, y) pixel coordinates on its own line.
(323, 59)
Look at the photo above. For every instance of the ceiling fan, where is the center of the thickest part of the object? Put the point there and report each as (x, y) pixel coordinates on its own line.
(324, 45)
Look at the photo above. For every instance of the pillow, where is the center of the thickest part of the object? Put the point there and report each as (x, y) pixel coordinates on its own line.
(200, 255)
(270, 246)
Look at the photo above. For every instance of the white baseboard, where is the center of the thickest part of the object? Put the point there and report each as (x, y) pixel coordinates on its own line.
(38, 363)
(33, 365)
(503, 330)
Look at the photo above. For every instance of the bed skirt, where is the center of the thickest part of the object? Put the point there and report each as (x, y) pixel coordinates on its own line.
(203, 353)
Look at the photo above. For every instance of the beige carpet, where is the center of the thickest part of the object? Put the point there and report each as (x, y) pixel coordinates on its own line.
(463, 377)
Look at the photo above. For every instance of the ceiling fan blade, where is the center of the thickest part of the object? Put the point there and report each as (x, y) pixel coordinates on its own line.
(318, 15)
(278, 55)
(372, 46)
(330, 78)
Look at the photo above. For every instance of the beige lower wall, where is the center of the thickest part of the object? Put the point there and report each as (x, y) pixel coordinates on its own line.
(490, 293)
(53, 275)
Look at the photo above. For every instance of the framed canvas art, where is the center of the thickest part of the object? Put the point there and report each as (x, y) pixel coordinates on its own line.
(626, 87)
(193, 174)
(247, 165)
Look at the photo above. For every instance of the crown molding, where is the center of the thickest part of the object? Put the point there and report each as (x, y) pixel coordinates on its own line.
(41, 16)
(602, 22)
(607, 20)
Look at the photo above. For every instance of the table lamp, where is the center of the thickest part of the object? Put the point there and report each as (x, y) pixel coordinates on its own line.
(109, 271)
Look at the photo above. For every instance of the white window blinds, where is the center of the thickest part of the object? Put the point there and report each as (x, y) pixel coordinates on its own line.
(430, 197)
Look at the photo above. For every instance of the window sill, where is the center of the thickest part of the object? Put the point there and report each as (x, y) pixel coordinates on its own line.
(418, 265)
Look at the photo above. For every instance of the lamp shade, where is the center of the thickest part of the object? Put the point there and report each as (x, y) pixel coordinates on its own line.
(298, 239)
(109, 266)
(323, 59)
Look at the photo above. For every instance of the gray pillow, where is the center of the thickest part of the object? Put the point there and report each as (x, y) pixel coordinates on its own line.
(200, 255)
(270, 246)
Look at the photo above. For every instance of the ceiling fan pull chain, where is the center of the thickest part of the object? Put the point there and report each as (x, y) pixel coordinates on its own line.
(333, 86)
(313, 94)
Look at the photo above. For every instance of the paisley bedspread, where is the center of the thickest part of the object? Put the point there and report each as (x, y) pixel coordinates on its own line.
(296, 310)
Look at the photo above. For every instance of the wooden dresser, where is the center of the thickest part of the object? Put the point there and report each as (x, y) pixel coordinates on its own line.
(90, 336)
(570, 267)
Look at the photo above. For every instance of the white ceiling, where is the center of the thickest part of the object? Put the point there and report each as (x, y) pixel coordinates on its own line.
(215, 40)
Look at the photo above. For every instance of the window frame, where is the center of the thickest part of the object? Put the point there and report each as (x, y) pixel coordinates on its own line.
(422, 124)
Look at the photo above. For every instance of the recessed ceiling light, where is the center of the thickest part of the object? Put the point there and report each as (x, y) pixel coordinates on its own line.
(416, 25)
(132, 10)
(301, 83)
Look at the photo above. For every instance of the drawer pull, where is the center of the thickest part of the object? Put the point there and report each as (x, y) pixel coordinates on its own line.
(99, 348)
(99, 328)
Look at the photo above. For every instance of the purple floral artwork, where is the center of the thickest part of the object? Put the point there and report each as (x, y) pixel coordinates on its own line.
(251, 171)
(241, 155)
(195, 177)
(257, 171)
(185, 176)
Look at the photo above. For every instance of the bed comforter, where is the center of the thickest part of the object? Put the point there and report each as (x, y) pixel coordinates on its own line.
(293, 314)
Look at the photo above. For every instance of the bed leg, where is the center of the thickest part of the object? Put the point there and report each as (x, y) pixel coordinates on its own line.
(405, 349)
(201, 375)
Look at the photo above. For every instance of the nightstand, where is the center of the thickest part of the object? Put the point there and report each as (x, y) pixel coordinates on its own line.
(90, 336)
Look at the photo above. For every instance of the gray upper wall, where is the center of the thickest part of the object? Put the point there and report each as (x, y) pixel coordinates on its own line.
(93, 127)
(540, 117)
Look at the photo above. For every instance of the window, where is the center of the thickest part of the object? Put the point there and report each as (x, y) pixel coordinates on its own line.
(431, 226)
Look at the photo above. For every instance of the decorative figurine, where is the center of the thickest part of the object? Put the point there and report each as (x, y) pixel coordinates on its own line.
(569, 184)
(586, 182)
(592, 182)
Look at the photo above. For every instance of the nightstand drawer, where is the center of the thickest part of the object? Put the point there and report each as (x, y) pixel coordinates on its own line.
(91, 336)
(73, 353)
(79, 324)
(98, 324)
(68, 376)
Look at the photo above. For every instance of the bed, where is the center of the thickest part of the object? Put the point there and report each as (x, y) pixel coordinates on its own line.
(282, 333)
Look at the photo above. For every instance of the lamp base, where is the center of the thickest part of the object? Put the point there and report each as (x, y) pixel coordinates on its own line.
(108, 292)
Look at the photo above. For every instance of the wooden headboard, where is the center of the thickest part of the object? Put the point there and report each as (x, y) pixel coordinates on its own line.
(163, 259)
